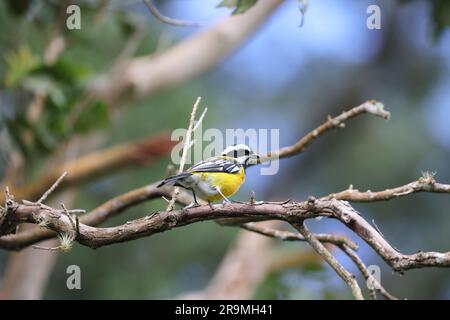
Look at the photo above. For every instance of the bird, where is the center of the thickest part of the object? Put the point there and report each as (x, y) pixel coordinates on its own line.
(216, 178)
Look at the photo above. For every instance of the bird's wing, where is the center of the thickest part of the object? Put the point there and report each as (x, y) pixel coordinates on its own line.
(217, 165)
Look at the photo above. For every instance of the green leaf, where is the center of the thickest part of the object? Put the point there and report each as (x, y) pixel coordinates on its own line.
(19, 64)
(238, 6)
(96, 115)
(64, 71)
(45, 85)
(57, 124)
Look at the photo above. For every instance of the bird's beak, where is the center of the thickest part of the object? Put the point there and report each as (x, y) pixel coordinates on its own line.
(254, 159)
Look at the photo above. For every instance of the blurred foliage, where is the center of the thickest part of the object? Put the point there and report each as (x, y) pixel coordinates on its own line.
(19, 65)
(238, 6)
(440, 15)
(440, 10)
(63, 82)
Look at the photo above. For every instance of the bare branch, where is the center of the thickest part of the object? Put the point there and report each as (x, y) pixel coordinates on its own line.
(95, 217)
(342, 242)
(345, 213)
(52, 188)
(372, 283)
(292, 212)
(424, 184)
(200, 120)
(188, 139)
(162, 221)
(331, 260)
(57, 248)
(187, 145)
(150, 224)
(173, 22)
(372, 107)
(291, 236)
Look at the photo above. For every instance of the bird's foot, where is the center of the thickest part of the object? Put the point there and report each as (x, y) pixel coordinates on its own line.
(192, 205)
(226, 202)
(225, 199)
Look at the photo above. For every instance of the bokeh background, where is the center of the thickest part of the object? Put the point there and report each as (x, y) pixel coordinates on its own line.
(285, 77)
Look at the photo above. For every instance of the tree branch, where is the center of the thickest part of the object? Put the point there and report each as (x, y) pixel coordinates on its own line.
(166, 220)
(372, 283)
(95, 217)
(331, 260)
(291, 236)
(372, 107)
(188, 142)
(345, 213)
(342, 242)
(173, 22)
(426, 183)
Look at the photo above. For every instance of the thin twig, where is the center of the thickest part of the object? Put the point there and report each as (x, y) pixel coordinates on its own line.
(372, 107)
(331, 260)
(173, 22)
(187, 145)
(189, 135)
(291, 236)
(46, 248)
(52, 188)
(423, 184)
(68, 215)
(8, 193)
(345, 244)
(372, 283)
(200, 120)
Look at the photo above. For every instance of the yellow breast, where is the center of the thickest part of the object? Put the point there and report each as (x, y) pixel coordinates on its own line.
(228, 183)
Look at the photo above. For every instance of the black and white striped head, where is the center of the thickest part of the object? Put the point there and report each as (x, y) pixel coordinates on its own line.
(242, 153)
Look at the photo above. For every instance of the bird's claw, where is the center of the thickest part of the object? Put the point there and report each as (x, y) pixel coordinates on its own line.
(226, 202)
(192, 205)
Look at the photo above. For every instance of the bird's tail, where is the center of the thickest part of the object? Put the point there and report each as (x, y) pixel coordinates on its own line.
(172, 180)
